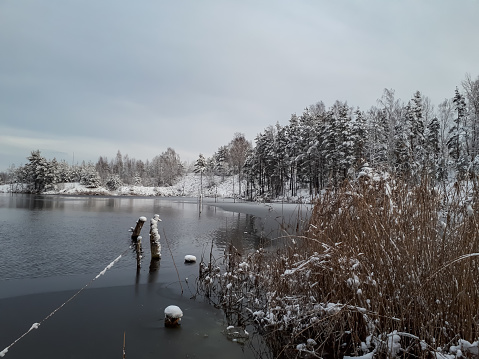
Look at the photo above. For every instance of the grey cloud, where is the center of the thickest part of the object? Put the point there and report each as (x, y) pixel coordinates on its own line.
(189, 74)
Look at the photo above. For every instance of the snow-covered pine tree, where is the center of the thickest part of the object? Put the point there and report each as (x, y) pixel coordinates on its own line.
(416, 124)
(89, 177)
(35, 172)
(118, 164)
(471, 89)
(52, 175)
(113, 182)
(432, 147)
(200, 167)
(402, 153)
(457, 136)
(346, 158)
(331, 146)
(221, 161)
(391, 111)
(358, 132)
(377, 144)
(137, 181)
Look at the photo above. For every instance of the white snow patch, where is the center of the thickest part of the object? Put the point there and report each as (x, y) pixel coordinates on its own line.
(190, 258)
(470, 211)
(34, 326)
(172, 311)
(365, 356)
(108, 267)
(465, 347)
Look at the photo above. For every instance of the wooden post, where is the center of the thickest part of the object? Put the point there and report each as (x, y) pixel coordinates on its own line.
(137, 230)
(173, 316)
(155, 237)
(124, 345)
(138, 252)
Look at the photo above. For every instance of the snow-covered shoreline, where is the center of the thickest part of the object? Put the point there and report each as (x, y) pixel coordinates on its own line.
(188, 186)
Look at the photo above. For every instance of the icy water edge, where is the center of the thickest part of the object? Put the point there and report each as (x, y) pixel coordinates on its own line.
(53, 245)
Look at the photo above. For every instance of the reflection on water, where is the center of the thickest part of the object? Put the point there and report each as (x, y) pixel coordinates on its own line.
(43, 236)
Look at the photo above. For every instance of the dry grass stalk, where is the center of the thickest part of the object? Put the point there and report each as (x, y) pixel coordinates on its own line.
(383, 266)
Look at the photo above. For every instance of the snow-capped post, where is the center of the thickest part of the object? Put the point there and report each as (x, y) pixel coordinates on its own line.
(155, 237)
(139, 224)
(190, 259)
(173, 316)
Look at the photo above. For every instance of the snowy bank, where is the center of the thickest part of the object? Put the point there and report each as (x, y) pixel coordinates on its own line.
(188, 186)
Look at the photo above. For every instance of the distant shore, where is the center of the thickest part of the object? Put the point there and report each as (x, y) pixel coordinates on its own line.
(188, 186)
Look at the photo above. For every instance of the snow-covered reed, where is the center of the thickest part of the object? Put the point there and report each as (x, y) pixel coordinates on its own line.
(384, 268)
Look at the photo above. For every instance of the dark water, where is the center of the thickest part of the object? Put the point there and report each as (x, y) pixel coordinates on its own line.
(51, 246)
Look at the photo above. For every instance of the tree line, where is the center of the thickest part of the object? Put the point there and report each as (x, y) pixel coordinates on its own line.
(315, 150)
(325, 146)
(40, 174)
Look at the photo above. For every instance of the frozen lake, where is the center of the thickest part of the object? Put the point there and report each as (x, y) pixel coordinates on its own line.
(52, 246)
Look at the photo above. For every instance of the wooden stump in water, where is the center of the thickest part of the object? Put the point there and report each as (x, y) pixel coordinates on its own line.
(155, 237)
(138, 252)
(173, 316)
(137, 230)
(190, 259)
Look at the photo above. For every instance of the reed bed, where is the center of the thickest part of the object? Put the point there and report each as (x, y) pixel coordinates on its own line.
(385, 269)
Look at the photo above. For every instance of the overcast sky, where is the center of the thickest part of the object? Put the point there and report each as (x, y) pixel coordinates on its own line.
(80, 79)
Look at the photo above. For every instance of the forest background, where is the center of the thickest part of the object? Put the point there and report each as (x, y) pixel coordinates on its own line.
(316, 150)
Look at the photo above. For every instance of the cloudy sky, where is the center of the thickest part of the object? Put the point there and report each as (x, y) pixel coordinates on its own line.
(80, 79)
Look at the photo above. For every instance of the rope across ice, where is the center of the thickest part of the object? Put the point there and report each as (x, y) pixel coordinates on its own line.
(36, 325)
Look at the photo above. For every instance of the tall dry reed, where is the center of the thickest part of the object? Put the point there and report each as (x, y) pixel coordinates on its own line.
(384, 267)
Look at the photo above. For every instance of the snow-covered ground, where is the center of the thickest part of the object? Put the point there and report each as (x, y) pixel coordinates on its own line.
(188, 186)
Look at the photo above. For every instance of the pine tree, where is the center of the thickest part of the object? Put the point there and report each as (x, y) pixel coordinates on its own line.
(458, 138)
(433, 150)
(221, 161)
(113, 182)
(331, 146)
(359, 137)
(345, 148)
(200, 167)
(36, 172)
(378, 141)
(89, 177)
